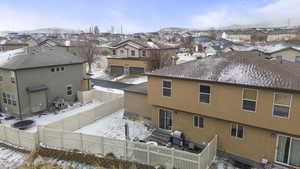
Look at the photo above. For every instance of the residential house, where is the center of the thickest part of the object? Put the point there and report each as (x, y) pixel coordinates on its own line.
(250, 102)
(31, 79)
(137, 57)
(6, 45)
(283, 35)
(289, 53)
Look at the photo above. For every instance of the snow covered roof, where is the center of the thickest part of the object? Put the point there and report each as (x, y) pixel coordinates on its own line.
(239, 68)
(33, 57)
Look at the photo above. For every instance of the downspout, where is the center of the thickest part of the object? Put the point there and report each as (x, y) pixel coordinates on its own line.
(19, 104)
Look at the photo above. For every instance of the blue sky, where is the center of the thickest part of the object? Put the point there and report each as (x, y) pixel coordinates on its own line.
(144, 15)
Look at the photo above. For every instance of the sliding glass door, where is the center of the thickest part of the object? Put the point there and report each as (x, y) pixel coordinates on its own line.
(288, 150)
(165, 119)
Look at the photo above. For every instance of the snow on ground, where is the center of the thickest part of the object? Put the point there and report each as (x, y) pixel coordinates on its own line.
(221, 163)
(134, 79)
(10, 159)
(110, 90)
(113, 126)
(47, 118)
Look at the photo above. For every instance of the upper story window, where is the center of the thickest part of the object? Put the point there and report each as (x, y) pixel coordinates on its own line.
(198, 122)
(69, 90)
(249, 99)
(114, 51)
(132, 53)
(204, 94)
(297, 59)
(282, 104)
(52, 69)
(13, 79)
(144, 53)
(167, 88)
(62, 69)
(237, 130)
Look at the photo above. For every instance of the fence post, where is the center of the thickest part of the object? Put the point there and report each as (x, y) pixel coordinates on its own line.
(5, 134)
(62, 139)
(102, 145)
(172, 158)
(208, 152)
(148, 154)
(37, 138)
(19, 140)
(199, 161)
(81, 142)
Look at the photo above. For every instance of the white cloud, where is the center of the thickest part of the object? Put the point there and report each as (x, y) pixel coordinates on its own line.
(275, 14)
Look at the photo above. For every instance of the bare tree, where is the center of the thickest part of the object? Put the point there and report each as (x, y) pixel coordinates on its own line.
(160, 59)
(88, 52)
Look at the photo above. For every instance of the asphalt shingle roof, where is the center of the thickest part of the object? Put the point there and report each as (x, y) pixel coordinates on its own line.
(34, 57)
(240, 68)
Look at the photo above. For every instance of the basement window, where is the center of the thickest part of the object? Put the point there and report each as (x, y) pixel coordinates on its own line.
(204, 94)
(282, 104)
(237, 131)
(249, 99)
(198, 122)
(167, 88)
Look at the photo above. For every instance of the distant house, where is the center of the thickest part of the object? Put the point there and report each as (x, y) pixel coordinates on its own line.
(137, 57)
(249, 101)
(31, 79)
(283, 35)
(289, 53)
(247, 36)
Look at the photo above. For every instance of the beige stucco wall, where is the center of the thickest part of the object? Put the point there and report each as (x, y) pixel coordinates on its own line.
(137, 104)
(251, 146)
(127, 51)
(289, 54)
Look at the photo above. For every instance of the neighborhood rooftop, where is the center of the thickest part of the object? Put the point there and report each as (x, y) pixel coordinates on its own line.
(33, 57)
(241, 68)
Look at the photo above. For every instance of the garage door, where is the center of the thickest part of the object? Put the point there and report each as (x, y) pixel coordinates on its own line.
(38, 101)
(116, 69)
(136, 70)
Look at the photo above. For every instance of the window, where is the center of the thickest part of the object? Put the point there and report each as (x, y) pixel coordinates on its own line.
(288, 150)
(8, 99)
(122, 51)
(167, 88)
(62, 69)
(282, 103)
(13, 100)
(144, 53)
(198, 122)
(237, 131)
(69, 90)
(132, 53)
(204, 94)
(249, 99)
(4, 98)
(12, 77)
(52, 69)
(297, 59)
(165, 119)
(114, 52)
(57, 69)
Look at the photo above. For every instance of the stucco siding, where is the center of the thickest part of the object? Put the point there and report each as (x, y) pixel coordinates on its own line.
(289, 55)
(55, 81)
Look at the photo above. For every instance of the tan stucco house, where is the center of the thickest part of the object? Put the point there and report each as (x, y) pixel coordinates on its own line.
(289, 53)
(133, 56)
(251, 103)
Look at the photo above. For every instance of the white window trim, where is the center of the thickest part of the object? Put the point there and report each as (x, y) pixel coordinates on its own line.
(289, 114)
(198, 122)
(210, 94)
(71, 90)
(159, 117)
(236, 137)
(162, 86)
(276, 150)
(256, 101)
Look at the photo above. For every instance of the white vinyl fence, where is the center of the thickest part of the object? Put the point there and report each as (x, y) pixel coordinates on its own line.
(87, 117)
(128, 150)
(19, 138)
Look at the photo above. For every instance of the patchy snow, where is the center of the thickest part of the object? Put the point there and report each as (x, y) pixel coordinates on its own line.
(110, 90)
(152, 45)
(119, 78)
(8, 55)
(10, 159)
(134, 79)
(113, 126)
(222, 163)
